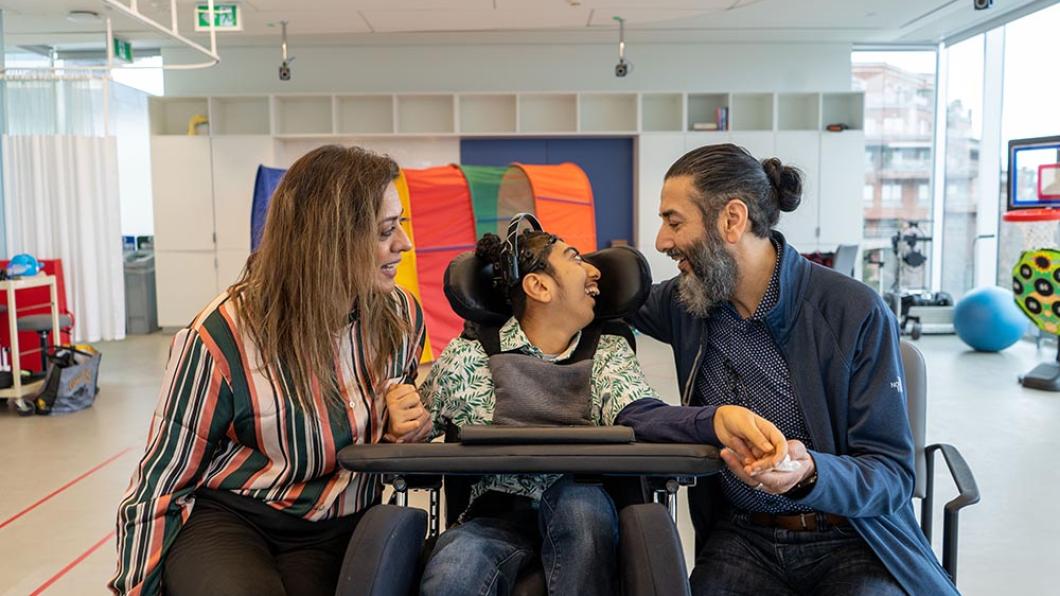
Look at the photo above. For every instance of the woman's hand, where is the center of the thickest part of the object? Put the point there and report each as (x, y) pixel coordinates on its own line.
(756, 443)
(409, 420)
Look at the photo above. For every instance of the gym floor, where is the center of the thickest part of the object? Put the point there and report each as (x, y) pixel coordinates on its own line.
(62, 477)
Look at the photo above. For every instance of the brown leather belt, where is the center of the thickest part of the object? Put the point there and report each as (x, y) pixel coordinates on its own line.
(798, 522)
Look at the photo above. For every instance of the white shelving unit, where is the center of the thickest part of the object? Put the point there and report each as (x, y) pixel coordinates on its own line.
(302, 115)
(662, 112)
(702, 108)
(799, 111)
(608, 112)
(843, 108)
(203, 182)
(425, 114)
(170, 115)
(364, 114)
(548, 113)
(451, 114)
(239, 116)
(488, 114)
(751, 111)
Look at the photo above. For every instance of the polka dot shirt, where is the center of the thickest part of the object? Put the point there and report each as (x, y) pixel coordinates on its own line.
(742, 365)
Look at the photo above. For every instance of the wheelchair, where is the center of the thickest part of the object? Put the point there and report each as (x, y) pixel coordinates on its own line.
(388, 549)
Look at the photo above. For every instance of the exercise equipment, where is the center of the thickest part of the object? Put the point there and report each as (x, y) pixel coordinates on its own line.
(918, 311)
(1031, 229)
(1035, 285)
(987, 319)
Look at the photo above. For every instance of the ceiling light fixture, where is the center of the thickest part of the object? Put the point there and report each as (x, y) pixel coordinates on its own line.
(82, 16)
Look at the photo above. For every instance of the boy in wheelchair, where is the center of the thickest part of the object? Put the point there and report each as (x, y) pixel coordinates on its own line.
(550, 364)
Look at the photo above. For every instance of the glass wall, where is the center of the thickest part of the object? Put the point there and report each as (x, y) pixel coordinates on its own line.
(1029, 110)
(1030, 102)
(899, 91)
(964, 131)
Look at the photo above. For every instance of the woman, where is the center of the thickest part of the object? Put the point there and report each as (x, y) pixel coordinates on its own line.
(239, 491)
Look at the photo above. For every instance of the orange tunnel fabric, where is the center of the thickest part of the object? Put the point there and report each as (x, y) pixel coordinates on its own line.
(444, 225)
(562, 199)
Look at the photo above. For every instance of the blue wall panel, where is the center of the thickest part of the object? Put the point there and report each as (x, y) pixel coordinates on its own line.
(607, 162)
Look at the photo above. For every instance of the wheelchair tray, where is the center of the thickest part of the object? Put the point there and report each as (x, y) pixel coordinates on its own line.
(496, 434)
(630, 459)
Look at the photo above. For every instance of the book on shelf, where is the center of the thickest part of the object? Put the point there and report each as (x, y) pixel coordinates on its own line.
(721, 118)
(704, 126)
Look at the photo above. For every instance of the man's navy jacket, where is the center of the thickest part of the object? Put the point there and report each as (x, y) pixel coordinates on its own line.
(841, 346)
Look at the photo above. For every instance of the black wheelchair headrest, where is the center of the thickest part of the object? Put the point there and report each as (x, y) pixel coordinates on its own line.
(625, 281)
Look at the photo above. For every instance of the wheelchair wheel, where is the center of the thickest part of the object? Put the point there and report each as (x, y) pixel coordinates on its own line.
(915, 333)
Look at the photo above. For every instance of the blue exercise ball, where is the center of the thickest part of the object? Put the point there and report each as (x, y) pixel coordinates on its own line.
(23, 265)
(988, 320)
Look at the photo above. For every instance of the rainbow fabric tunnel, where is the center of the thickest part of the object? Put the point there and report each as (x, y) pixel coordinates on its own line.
(450, 207)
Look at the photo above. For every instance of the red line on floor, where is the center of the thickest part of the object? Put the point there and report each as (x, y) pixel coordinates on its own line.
(64, 487)
(51, 580)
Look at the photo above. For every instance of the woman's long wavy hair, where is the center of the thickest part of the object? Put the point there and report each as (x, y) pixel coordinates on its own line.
(315, 266)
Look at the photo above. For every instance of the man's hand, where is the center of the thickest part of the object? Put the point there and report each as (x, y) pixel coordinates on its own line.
(755, 443)
(772, 481)
(409, 420)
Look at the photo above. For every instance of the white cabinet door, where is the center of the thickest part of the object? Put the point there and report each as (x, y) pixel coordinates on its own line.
(229, 266)
(759, 143)
(183, 196)
(801, 149)
(656, 152)
(235, 162)
(186, 281)
(842, 179)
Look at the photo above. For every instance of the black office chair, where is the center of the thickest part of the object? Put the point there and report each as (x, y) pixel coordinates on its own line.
(651, 559)
(924, 489)
(846, 257)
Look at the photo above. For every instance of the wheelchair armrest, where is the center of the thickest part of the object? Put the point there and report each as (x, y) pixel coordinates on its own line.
(383, 555)
(968, 494)
(650, 556)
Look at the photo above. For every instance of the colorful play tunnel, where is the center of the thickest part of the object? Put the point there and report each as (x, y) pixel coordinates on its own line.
(450, 207)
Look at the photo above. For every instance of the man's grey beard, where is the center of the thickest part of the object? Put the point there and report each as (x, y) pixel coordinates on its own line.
(712, 277)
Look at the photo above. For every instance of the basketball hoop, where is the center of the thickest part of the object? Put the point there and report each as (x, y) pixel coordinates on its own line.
(1031, 215)
(1028, 229)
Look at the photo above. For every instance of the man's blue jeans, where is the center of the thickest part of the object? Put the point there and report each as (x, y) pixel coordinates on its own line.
(576, 532)
(742, 558)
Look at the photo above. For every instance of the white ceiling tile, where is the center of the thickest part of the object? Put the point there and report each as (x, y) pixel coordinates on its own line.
(453, 20)
(635, 16)
(344, 5)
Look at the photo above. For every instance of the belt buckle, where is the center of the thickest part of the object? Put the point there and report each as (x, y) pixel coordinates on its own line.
(802, 520)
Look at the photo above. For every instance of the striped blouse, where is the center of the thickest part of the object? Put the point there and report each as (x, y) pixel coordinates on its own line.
(222, 424)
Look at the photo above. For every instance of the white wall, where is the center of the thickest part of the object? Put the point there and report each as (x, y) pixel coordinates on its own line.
(518, 67)
(129, 123)
(526, 67)
(408, 152)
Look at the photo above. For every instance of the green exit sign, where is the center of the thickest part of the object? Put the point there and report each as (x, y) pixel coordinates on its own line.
(123, 50)
(226, 17)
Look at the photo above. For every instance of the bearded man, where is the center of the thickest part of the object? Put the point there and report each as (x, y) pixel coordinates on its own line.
(752, 323)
